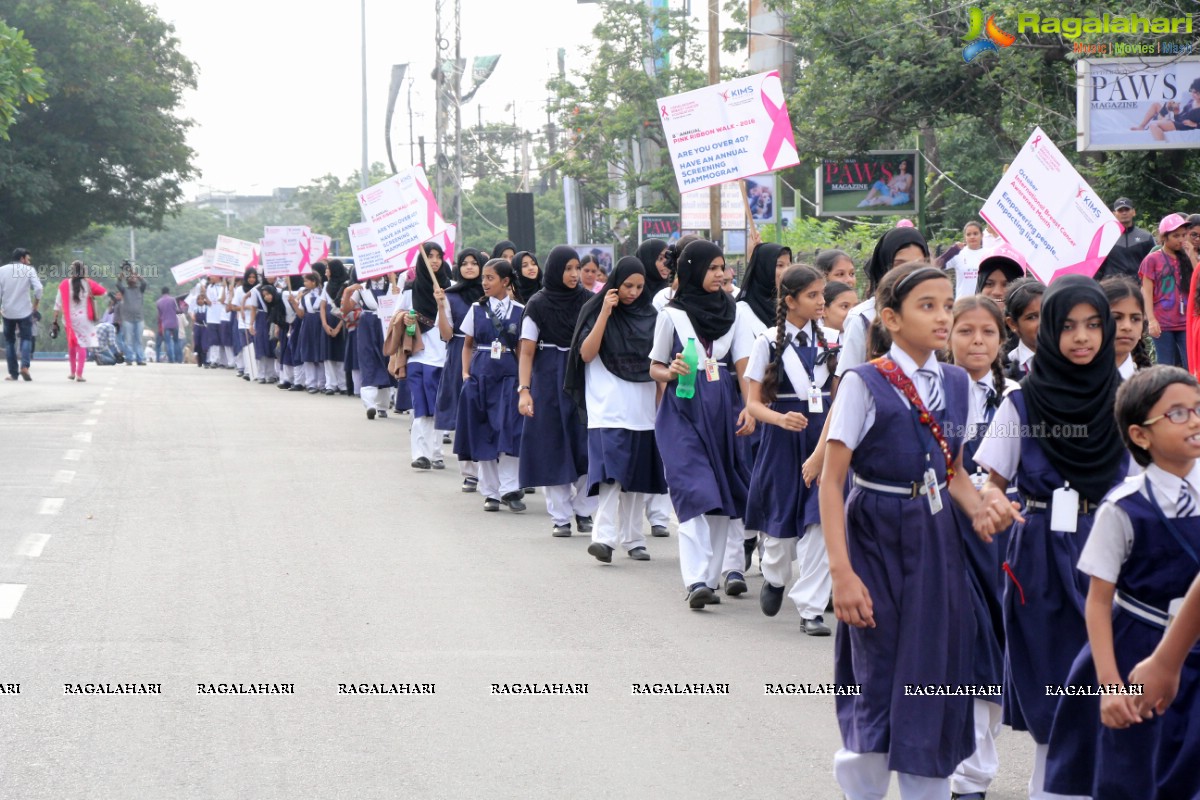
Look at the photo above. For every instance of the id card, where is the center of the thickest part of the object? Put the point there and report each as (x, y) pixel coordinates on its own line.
(712, 370)
(816, 403)
(497, 349)
(979, 479)
(931, 491)
(1064, 510)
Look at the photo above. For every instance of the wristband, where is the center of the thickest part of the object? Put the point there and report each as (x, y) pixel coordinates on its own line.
(523, 388)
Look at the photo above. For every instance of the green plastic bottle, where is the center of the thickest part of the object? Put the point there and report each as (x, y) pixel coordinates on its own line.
(411, 330)
(685, 386)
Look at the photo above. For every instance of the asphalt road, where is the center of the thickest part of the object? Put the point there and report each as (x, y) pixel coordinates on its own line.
(169, 526)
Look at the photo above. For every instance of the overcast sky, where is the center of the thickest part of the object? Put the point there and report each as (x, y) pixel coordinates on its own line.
(278, 102)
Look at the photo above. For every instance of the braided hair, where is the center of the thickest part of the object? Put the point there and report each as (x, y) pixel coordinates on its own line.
(797, 279)
(972, 303)
(1123, 287)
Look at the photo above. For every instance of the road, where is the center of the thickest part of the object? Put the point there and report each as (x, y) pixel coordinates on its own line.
(175, 526)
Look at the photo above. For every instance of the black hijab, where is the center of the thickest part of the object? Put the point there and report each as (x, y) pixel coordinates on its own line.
(648, 253)
(498, 250)
(423, 301)
(338, 277)
(758, 284)
(528, 287)
(886, 248)
(1011, 269)
(628, 337)
(276, 313)
(555, 308)
(1059, 393)
(712, 313)
(471, 289)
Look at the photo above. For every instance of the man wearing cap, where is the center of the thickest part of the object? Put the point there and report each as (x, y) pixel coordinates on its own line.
(1165, 276)
(1132, 247)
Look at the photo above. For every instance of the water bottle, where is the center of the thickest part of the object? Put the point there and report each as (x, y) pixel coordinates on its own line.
(411, 330)
(685, 386)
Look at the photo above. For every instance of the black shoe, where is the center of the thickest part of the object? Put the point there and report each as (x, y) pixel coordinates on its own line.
(968, 796)
(601, 551)
(659, 531)
(699, 596)
(770, 599)
(491, 504)
(283, 385)
(330, 392)
(439, 464)
(735, 584)
(445, 438)
(421, 463)
(470, 485)
(513, 501)
(295, 387)
(562, 531)
(584, 524)
(748, 548)
(528, 490)
(314, 391)
(370, 413)
(639, 554)
(261, 380)
(382, 414)
(814, 627)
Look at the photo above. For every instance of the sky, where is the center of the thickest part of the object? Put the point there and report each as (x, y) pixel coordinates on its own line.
(279, 91)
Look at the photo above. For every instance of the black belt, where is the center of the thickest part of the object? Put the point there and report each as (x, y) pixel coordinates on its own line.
(1086, 506)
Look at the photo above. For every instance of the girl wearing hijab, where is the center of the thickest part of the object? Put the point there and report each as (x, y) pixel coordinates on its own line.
(291, 367)
(528, 275)
(1070, 389)
(608, 376)
(466, 291)
(216, 317)
(240, 306)
(504, 249)
(999, 267)
(704, 467)
(555, 453)
(489, 425)
(335, 328)
(267, 313)
(425, 367)
(653, 255)
(314, 344)
(374, 381)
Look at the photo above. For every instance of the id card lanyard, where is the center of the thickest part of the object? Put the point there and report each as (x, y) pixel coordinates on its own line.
(712, 369)
(498, 324)
(816, 401)
(1177, 603)
(932, 495)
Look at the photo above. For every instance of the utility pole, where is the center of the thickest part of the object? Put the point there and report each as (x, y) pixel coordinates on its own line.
(439, 118)
(714, 77)
(411, 140)
(458, 175)
(365, 167)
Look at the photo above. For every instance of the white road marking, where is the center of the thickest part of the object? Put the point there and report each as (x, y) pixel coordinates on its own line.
(96, 411)
(73, 455)
(82, 436)
(10, 596)
(32, 545)
(64, 476)
(100, 402)
(51, 505)
(89, 422)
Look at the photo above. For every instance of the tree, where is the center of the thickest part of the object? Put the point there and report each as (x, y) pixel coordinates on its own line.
(106, 146)
(21, 81)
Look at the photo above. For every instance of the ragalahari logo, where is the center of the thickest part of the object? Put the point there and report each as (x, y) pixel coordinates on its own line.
(992, 34)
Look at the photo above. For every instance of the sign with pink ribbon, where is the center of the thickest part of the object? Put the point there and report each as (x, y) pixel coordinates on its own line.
(728, 131)
(403, 211)
(235, 256)
(368, 253)
(1049, 213)
(286, 250)
(445, 240)
(189, 270)
(320, 247)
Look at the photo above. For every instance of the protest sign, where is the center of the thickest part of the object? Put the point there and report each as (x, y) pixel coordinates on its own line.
(190, 270)
(445, 239)
(694, 209)
(320, 246)
(1044, 209)
(728, 131)
(403, 211)
(290, 250)
(234, 256)
(368, 253)
(389, 304)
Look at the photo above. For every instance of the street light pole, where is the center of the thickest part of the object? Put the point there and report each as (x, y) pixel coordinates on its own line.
(365, 165)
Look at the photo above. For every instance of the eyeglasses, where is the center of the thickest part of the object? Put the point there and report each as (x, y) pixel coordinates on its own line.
(1177, 415)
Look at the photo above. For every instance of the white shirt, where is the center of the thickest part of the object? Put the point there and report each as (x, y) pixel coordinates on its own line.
(501, 308)
(1127, 368)
(671, 320)
(216, 308)
(760, 359)
(1111, 541)
(239, 298)
(854, 336)
(749, 327)
(853, 415)
(1021, 355)
(16, 281)
(663, 297)
(616, 403)
(433, 349)
(966, 271)
(289, 312)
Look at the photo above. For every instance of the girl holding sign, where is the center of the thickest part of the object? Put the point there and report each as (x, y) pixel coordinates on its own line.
(334, 327)
(314, 344)
(466, 291)
(425, 366)
(374, 381)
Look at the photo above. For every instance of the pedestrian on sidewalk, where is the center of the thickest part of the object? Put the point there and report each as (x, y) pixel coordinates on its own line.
(168, 324)
(133, 288)
(18, 279)
(74, 303)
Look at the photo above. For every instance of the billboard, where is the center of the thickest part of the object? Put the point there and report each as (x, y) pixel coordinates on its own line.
(1137, 103)
(658, 226)
(877, 183)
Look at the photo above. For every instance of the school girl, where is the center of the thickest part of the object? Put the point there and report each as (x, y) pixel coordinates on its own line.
(334, 327)
(964, 258)
(291, 367)
(239, 307)
(1142, 555)
(1129, 316)
(839, 299)
(976, 334)
(466, 291)
(267, 314)
(489, 425)
(895, 553)
(1070, 389)
(653, 255)
(197, 305)
(228, 326)
(788, 378)
(217, 314)
(374, 380)
(608, 378)
(504, 249)
(528, 275)
(425, 299)
(837, 267)
(1022, 315)
(555, 446)
(667, 293)
(313, 344)
(999, 267)
(704, 467)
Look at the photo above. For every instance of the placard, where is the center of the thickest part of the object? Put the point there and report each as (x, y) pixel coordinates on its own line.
(291, 249)
(389, 304)
(189, 270)
(368, 253)
(235, 256)
(694, 209)
(403, 211)
(445, 239)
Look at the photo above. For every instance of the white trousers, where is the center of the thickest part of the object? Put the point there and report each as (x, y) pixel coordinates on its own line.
(702, 548)
(814, 585)
(356, 376)
(335, 374)
(498, 478)
(373, 397)
(469, 469)
(777, 558)
(658, 509)
(619, 518)
(865, 776)
(266, 368)
(1037, 781)
(424, 440)
(976, 772)
(287, 373)
(735, 552)
(313, 376)
(570, 498)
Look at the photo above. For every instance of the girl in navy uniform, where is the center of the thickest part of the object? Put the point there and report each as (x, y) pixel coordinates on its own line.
(653, 255)
(374, 380)
(1129, 315)
(527, 274)
(314, 344)
(425, 367)
(1022, 315)
(975, 338)
(267, 316)
(555, 452)
(1070, 389)
(489, 425)
(608, 376)
(1143, 553)
(696, 436)
(335, 328)
(467, 289)
(291, 366)
(197, 303)
(789, 377)
(895, 553)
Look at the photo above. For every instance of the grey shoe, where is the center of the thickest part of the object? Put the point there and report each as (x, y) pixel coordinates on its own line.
(382, 414)
(601, 551)
(770, 599)
(814, 627)
(421, 463)
(639, 554)
(439, 464)
(659, 531)
(583, 523)
(513, 501)
(735, 584)
(699, 596)
(562, 531)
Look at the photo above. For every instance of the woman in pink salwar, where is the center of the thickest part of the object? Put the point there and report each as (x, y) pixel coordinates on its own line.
(75, 299)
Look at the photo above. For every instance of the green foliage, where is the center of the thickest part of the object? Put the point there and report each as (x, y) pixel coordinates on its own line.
(105, 147)
(21, 81)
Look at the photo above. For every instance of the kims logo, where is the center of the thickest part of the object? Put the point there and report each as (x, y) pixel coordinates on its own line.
(993, 35)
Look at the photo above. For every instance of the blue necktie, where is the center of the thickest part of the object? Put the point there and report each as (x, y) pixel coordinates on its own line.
(934, 390)
(1186, 507)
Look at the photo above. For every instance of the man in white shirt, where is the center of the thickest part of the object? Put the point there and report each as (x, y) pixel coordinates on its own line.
(17, 280)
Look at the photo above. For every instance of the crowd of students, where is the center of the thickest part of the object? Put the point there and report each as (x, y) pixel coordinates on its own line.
(985, 473)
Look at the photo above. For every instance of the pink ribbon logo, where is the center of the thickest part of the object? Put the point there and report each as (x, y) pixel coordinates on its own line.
(781, 128)
(1091, 262)
(305, 253)
(254, 262)
(664, 112)
(1036, 140)
(430, 203)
